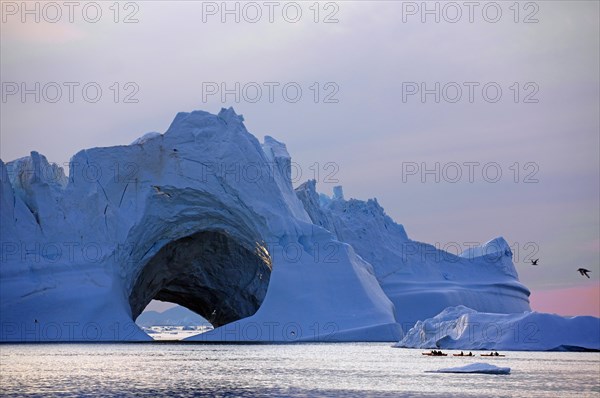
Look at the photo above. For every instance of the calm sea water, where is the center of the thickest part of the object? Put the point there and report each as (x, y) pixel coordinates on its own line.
(339, 370)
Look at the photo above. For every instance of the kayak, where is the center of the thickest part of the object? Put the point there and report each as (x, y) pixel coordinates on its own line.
(488, 355)
(434, 355)
(463, 355)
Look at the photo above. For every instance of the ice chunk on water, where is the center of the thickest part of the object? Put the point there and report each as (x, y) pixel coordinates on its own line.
(481, 367)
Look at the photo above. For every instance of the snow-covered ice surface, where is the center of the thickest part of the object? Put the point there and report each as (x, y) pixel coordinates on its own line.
(462, 328)
(82, 255)
(481, 367)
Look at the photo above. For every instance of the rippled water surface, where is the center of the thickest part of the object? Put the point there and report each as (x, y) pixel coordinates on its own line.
(357, 369)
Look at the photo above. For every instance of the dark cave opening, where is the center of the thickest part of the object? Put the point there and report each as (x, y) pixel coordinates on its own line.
(210, 273)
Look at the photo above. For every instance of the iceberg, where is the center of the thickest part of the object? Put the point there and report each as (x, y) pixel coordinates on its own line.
(420, 279)
(483, 368)
(176, 316)
(205, 216)
(462, 328)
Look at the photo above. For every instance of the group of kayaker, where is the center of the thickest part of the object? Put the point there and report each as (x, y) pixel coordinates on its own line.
(462, 354)
(438, 353)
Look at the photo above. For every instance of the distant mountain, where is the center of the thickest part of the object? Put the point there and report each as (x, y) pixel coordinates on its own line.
(176, 316)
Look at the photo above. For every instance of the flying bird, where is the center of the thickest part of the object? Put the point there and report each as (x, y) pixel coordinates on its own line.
(160, 192)
(584, 272)
(535, 262)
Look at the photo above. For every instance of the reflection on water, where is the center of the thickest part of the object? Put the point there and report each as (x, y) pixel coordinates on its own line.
(357, 369)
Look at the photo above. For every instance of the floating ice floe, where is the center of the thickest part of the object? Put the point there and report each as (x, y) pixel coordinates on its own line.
(482, 367)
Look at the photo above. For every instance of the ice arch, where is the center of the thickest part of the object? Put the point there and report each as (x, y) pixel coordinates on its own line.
(210, 273)
(174, 216)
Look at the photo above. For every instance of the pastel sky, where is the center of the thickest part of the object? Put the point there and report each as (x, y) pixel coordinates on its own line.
(375, 135)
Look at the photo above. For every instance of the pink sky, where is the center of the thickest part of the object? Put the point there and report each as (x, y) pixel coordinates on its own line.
(568, 301)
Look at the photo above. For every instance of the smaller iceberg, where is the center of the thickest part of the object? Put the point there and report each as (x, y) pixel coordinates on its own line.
(463, 328)
(484, 368)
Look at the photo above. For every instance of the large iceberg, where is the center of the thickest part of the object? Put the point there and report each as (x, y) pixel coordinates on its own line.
(462, 328)
(206, 216)
(420, 279)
